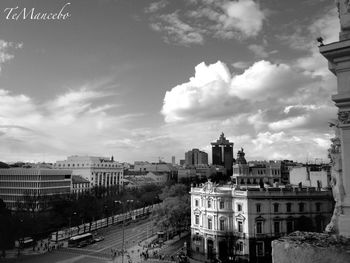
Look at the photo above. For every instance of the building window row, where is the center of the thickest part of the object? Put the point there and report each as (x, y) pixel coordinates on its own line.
(87, 165)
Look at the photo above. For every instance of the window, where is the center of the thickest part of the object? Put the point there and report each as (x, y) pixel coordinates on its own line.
(275, 207)
(289, 226)
(260, 248)
(239, 207)
(222, 224)
(259, 227)
(209, 204)
(196, 202)
(258, 208)
(318, 207)
(289, 207)
(276, 226)
(240, 246)
(240, 226)
(301, 207)
(197, 219)
(222, 204)
(210, 223)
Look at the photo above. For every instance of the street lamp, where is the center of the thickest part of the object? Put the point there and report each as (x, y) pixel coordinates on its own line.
(123, 240)
(70, 223)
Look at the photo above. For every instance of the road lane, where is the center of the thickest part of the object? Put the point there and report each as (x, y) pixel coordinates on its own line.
(100, 251)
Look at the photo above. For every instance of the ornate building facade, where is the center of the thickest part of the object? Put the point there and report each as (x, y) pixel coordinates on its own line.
(230, 223)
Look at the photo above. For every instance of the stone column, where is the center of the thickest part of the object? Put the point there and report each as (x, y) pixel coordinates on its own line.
(338, 56)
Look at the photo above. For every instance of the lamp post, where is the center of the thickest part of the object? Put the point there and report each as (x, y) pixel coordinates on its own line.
(123, 240)
(70, 224)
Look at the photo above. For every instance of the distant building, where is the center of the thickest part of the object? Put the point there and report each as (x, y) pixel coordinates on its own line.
(168, 168)
(222, 153)
(173, 160)
(99, 171)
(80, 185)
(255, 173)
(199, 172)
(18, 186)
(231, 222)
(137, 181)
(196, 157)
(182, 162)
(311, 175)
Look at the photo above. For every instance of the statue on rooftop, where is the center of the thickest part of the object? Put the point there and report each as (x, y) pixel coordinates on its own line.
(334, 154)
(344, 16)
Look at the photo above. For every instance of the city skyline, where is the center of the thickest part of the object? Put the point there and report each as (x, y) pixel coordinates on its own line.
(143, 80)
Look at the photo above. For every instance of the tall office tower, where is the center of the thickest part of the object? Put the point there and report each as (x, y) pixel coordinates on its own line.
(222, 153)
(196, 157)
(173, 160)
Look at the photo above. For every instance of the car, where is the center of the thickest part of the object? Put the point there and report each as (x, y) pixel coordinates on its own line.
(98, 239)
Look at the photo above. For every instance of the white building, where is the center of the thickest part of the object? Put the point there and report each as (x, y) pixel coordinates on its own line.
(231, 222)
(99, 171)
(311, 175)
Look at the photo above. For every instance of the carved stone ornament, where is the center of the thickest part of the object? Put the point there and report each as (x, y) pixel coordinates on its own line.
(334, 154)
(209, 186)
(344, 16)
(344, 117)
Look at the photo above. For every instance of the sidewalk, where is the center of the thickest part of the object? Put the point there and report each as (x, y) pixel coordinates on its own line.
(140, 252)
(41, 247)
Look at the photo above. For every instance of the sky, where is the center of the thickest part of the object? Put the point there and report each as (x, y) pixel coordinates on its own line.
(151, 79)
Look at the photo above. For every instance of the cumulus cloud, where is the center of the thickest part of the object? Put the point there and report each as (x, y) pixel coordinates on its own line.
(219, 19)
(214, 90)
(273, 110)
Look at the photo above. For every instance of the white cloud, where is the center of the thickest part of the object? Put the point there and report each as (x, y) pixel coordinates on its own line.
(288, 123)
(219, 19)
(76, 122)
(241, 64)
(5, 48)
(177, 31)
(214, 91)
(245, 16)
(258, 50)
(265, 80)
(156, 6)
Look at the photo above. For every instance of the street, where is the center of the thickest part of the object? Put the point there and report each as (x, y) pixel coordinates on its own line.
(99, 252)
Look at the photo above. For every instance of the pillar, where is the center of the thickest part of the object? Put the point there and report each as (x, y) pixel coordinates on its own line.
(338, 56)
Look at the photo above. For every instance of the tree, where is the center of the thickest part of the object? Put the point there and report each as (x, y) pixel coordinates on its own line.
(174, 211)
(6, 228)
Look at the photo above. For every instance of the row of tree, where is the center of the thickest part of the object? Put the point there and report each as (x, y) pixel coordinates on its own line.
(67, 210)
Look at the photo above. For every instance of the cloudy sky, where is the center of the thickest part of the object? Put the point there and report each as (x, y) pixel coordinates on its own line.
(143, 79)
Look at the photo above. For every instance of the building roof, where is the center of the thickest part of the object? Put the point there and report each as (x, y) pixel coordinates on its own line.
(222, 141)
(34, 171)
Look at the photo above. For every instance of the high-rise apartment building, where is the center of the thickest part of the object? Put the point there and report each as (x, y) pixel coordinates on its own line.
(196, 157)
(222, 153)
